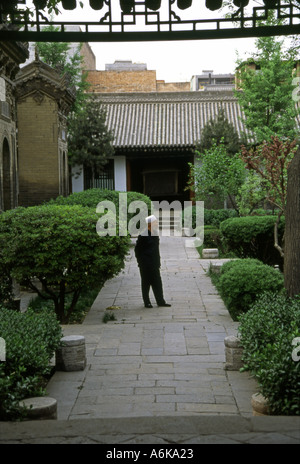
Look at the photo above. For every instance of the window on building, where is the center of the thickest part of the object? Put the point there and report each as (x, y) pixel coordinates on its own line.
(104, 180)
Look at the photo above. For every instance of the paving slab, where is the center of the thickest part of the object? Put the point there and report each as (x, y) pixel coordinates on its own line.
(155, 375)
(158, 360)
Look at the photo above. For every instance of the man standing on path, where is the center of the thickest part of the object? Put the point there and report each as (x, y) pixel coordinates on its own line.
(148, 258)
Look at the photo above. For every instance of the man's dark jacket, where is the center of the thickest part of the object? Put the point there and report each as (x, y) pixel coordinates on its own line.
(147, 251)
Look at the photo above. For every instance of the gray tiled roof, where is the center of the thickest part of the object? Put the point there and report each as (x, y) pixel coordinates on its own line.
(171, 119)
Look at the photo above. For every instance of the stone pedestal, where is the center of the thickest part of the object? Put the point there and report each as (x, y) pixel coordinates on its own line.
(216, 267)
(40, 408)
(259, 405)
(210, 253)
(71, 356)
(233, 353)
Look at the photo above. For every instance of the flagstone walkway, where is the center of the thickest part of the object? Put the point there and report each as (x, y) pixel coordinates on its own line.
(160, 361)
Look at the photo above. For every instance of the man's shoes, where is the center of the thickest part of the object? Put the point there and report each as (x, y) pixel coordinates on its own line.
(165, 305)
(148, 305)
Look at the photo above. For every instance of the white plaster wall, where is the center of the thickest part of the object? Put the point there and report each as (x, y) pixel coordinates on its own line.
(77, 180)
(120, 173)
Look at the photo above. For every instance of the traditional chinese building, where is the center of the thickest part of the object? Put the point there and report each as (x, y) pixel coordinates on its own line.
(44, 100)
(12, 54)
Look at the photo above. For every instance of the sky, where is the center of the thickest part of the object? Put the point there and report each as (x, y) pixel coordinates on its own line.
(175, 61)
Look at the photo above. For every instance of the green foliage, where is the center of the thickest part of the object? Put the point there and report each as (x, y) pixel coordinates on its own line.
(218, 174)
(31, 340)
(242, 281)
(251, 194)
(212, 217)
(59, 246)
(108, 317)
(212, 237)
(253, 237)
(270, 161)
(92, 197)
(89, 141)
(266, 332)
(266, 96)
(61, 57)
(217, 130)
(6, 291)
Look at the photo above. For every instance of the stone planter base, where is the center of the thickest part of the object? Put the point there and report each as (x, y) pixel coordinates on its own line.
(210, 253)
(40, 408)
(233, 353)
(71, 356)
(259, 405)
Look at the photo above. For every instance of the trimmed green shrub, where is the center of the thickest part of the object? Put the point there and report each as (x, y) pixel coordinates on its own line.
(92, 197)
(59, 247)
(243, 280)
(253, 237)
(212, 237)
(212, 217)
(267, 331)
(31, 340)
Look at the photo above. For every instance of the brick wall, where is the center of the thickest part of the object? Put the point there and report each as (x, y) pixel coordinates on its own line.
(162, 86)
(38, 150)
(122, 81)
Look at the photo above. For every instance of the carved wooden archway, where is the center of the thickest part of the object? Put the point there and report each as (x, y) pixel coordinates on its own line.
(149, 20)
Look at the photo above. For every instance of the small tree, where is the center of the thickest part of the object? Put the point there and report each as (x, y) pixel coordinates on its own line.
(270, 161)
(90, 142)
(218, 174)
(58, 247)
(66, 60)
(266, 88)
(220, 129)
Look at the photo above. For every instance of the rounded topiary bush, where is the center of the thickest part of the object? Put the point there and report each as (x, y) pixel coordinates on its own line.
(243, 280)
(59, 246)
(253, 237)
(92, 197)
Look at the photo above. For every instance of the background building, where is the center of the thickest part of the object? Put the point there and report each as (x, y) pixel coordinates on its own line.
(12, 54)
(156, 128)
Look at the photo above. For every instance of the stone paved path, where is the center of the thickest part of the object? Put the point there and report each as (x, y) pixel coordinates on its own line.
(160, 361)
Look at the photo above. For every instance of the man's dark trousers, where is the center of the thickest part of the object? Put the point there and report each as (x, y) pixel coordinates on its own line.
(148, 258)
(152, 278)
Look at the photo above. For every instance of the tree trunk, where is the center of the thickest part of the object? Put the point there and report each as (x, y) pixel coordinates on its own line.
(292, 229)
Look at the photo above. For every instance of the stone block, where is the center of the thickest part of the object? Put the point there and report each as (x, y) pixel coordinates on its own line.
(259, 405)
(233, 353)
(216, 267)
(40, 408)
(210, 253)
(71, 356)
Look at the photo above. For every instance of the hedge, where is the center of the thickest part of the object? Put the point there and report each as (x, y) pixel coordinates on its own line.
(92, 197)
(31, 340)
(267, 332)
(212, 217)
(243, 280)
(253, 237)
